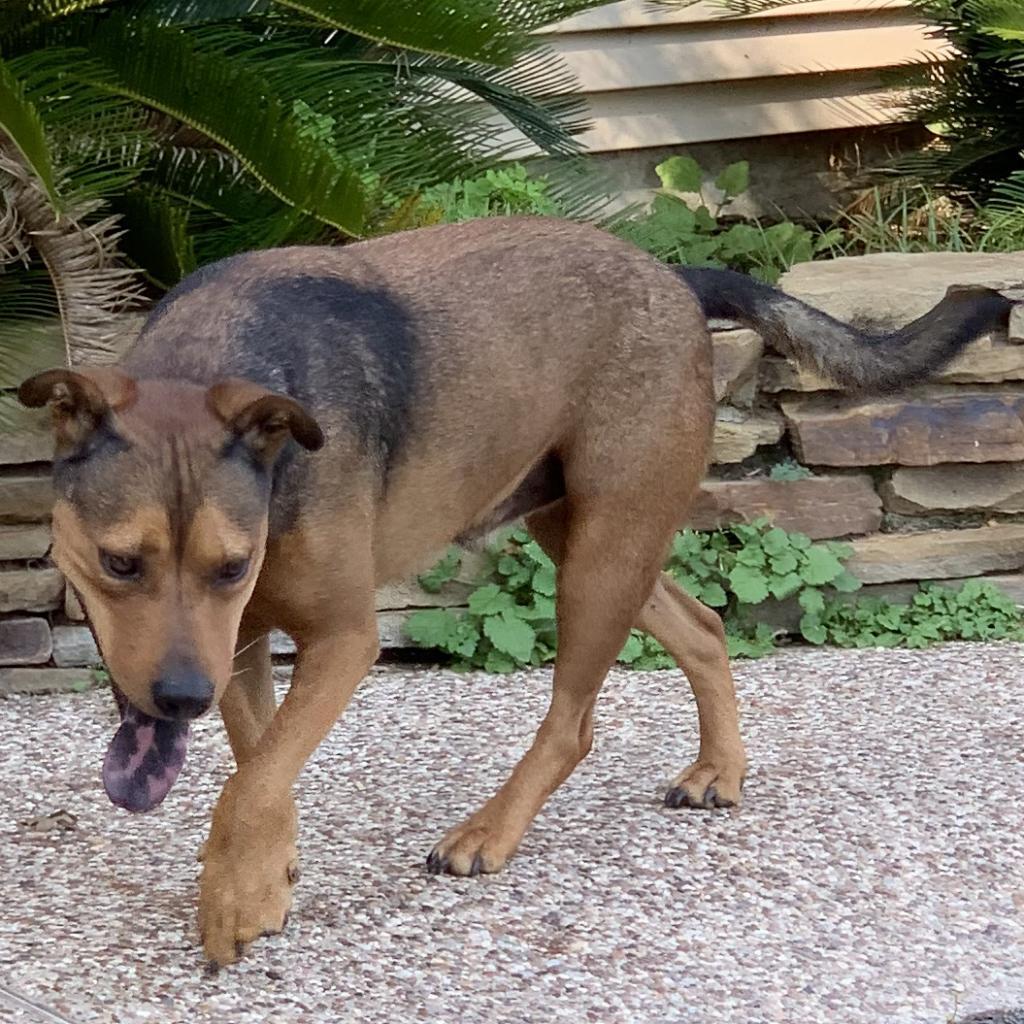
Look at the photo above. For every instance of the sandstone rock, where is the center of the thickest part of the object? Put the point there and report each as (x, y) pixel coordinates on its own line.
(922, 429)
(822, 506)
(956, 488)
(938, 554)
(25, 641)
(74, 646)
(23, 542)
(26, 435)
(736, 354)
(26, 496)
(891, 289)
(30, 590)
(738, 434)
(45, 680)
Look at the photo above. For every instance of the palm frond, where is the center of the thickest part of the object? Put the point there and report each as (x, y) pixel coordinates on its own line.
(224, 99)
(21, 126)
(80, 252)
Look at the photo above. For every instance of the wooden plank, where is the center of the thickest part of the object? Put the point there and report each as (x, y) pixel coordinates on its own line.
(641, 14)
(729, 52)
(712, 112)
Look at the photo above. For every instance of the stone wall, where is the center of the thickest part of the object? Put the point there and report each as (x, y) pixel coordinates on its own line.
(927, 486)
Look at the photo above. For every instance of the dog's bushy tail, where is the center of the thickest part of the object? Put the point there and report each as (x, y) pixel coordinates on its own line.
(854, 359)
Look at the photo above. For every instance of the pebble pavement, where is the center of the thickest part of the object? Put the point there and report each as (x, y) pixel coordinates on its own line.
(874, 874)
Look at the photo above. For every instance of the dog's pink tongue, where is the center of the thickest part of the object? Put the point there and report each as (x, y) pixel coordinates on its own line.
(143, 760)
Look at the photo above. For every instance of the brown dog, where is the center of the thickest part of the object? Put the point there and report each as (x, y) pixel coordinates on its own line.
(456, 378)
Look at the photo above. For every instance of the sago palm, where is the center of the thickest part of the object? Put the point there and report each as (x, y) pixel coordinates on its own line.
(172, 132)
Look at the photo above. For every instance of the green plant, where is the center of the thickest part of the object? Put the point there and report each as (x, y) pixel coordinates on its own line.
(977, 611)
(216, 126)
(694, 233)
(510, 620)
(789, 469)
(502, 191)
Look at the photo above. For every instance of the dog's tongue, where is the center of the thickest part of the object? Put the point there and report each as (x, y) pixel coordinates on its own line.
(144, 759)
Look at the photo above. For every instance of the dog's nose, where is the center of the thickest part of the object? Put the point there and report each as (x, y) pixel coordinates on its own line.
(182, 694)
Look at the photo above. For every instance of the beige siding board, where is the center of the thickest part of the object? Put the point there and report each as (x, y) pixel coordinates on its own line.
(636, 60)
(638, 14)
(641, 118)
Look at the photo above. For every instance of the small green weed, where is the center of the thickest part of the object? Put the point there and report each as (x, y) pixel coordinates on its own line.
(677, 231)
(977, 611)
(510, 621)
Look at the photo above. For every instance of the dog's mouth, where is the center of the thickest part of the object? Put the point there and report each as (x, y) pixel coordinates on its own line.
(143, 759)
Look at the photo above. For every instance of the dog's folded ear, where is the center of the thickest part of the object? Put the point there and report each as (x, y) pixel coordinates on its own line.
(264, 419)
(80, 399)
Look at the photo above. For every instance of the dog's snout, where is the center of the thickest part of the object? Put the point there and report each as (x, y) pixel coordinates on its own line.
(182, 693)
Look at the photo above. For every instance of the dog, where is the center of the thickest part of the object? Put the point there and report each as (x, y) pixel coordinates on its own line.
(297, 426)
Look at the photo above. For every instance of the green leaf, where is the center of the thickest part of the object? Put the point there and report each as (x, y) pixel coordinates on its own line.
(544, 580)
(680, 174)
(748, 584)
(734, 179)
(821, 566)
(800, 541)
(633, 649)
(431, 627)
(489, 600)
(510, 635)
(785, 586)
(775, 541)
(784, 564)
(812, 629)
(846, 582)
(443, 572)
(20, 121)
(751, 555)
(713, 595)
(499, 663)
(812, 602)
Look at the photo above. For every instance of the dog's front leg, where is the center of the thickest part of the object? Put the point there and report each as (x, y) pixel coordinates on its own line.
(249, 867)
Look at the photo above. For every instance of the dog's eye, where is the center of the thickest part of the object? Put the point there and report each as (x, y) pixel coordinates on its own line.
(233, 570)
(121, 567)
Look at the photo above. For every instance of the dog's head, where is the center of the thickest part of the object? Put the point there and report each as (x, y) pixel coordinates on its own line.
(160, 524)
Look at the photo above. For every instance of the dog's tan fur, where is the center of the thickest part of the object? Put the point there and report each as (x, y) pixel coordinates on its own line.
(557, 371)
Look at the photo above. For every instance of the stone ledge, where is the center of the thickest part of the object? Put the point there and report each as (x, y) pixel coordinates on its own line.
(891, 289)
(739, 434)
(23, 542)
(45, 680)
(821, 506)
(30, 590)
(995, 487)
(25, 641)
(938, 554)
(924, 428)
(26, 496)
(736, 355)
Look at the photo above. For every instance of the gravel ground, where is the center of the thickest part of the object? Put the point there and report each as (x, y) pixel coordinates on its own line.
(874, 874)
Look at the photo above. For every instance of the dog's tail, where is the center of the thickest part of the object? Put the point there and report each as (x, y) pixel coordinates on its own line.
(853, 359)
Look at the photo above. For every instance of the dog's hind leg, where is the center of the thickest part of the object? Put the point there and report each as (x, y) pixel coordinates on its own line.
(603, 580)
(694, 636)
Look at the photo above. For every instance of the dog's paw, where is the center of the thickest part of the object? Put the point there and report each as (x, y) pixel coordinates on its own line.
(250, 866)
(473, 848)
(708, 784)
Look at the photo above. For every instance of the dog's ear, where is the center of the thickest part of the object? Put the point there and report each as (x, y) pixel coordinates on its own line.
(80, 399)
(263, 418)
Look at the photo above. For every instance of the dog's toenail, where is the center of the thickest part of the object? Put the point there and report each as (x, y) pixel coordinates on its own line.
(294, 873)
(477, 866)
(710, 797)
